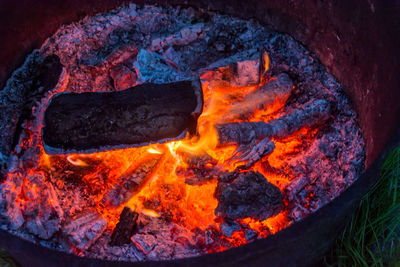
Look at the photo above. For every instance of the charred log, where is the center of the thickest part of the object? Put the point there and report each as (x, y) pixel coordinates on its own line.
(307, 115)
(248, 134)
(130, 182)
(270, 97)
(125, 227)
(137, 116)
(247, 194)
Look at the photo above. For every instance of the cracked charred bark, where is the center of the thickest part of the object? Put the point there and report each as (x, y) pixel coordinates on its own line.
(137, 116)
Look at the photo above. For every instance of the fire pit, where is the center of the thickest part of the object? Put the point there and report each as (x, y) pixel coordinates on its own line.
(270, 141)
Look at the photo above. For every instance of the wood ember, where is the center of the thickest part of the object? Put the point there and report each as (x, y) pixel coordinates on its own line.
(130, 182)
(201, 168)
(247, 194)
(125, 227)
(237, 74)
(123, 77)
(307, 115)
(227, 227)
(137, 116)
(83, 231)
(270, 97)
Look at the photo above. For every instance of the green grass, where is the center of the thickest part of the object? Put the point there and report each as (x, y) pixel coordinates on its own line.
(6, 260)
(372, 238)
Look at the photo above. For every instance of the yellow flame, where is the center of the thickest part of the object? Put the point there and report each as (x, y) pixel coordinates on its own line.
(76, 161)
(151, 213)
(152, 150)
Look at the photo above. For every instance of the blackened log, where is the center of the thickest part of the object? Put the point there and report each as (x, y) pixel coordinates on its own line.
(125, 228)
(307, 115)
(247, 194)
(147, 113)
(270, 96)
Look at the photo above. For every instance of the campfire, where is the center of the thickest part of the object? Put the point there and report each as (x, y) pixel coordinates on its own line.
(172, 133)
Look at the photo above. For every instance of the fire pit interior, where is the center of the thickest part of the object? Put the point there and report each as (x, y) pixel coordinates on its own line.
(168, 132)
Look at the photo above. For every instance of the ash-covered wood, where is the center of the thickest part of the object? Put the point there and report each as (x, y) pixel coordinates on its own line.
(247, 194)
(138, 116)
(130, 182)
(307, 115)
(125, 227)
(270, 96)
(81, 232)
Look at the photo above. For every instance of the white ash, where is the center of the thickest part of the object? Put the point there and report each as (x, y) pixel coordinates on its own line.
(163, 45)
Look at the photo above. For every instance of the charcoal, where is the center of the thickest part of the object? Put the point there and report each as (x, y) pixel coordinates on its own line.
(125, 227)
(123, 77)
(250, 234)
(33, 80)
(227, 227)
(153, 68)
(236, 74)
(10, 207)
(247, 194)
(137, 116)
(108, 59)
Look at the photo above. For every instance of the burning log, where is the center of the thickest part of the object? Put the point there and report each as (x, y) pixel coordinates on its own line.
(137, 116)
(125, 227)
(247, 194)
(270, 97)
(246, 134)
(130, 182)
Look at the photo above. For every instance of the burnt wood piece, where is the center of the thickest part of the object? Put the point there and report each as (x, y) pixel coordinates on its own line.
(200, 168)
(247, 194)
(147, 113)
(307, 115)
(83, 230)
(270, 96)
(130, 182)
(125, 228)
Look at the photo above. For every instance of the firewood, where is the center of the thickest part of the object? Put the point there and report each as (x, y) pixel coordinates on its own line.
(269, 97)
(81, 232)
(143, 114)
(247, 194)
(124, 229)
(247, 134)
(130, 182)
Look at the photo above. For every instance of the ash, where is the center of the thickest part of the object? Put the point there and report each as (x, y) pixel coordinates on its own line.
(57, 208)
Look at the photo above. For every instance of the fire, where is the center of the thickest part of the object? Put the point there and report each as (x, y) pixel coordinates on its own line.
(163, 192)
